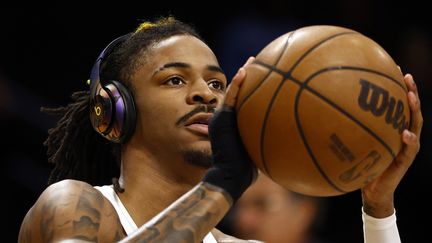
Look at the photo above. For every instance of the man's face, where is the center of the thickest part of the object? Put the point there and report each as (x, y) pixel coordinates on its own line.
(176, 91)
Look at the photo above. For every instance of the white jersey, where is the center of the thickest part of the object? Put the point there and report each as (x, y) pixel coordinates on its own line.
(380, 230)
(375, 230)
(125, 219)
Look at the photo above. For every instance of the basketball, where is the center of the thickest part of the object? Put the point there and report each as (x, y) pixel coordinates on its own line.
(322, 109)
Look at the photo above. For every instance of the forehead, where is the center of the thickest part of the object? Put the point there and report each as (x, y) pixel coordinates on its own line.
(184, 48)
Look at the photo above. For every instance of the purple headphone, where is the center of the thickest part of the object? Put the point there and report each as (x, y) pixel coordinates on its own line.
(112, 108)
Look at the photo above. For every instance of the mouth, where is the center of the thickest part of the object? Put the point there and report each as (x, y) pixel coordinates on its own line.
(199, 123)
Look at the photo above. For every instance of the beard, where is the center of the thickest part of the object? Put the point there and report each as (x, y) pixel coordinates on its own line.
(200, 158)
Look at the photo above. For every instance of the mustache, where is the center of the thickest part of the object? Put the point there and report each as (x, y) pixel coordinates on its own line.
(198, 109)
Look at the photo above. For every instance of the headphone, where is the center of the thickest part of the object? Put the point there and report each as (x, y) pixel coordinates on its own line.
(112, 108)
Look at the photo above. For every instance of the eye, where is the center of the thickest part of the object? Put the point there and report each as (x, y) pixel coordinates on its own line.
(216, 84)
(175, 81)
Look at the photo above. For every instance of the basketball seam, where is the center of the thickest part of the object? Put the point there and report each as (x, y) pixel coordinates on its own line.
(362, 69)
(314, 47)
(305, 86)
(286, 76)
(264, 126)
(269, 71)
(286, 44)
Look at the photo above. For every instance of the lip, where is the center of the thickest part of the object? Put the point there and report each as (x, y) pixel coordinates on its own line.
(199, 123)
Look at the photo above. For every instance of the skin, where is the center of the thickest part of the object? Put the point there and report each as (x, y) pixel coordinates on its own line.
(71, 210)
(268, 212)
(153, 159)
(378, 195)
(154, 171)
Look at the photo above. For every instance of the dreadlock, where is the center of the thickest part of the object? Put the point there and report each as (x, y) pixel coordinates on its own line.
(74, 147)
(77, 151)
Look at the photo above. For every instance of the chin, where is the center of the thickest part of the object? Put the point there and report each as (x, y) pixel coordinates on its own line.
(199, 157)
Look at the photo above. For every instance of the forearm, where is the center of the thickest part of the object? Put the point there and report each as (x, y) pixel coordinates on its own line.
(188, 219)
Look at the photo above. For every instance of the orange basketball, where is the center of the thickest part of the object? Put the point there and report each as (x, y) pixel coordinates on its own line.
(322, 110)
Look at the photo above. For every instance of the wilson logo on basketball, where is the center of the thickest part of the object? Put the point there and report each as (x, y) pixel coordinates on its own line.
(378, 101)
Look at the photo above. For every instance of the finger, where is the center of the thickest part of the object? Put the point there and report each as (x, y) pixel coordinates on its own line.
(416, 115)
(249, 61)
(409, 151)
(233, 88)
(414, 103)
(411, 85)
(409, 138)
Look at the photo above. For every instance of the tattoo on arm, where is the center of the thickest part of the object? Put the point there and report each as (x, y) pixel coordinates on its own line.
(86, 227)
(188, 219)
(75, 213)
(47, 220)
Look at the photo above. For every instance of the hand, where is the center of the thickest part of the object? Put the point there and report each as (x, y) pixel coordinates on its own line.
(234, 86)
(233, 169)
(378, 195)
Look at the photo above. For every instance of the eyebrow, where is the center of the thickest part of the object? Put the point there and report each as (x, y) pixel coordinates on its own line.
(215, 69)
(186, 65)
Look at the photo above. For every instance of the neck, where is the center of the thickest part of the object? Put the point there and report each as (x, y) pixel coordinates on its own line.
(151, 184)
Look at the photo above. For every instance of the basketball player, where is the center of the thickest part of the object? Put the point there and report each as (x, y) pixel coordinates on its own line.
(179, 165)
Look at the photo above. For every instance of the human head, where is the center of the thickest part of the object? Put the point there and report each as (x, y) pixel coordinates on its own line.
(77, 151)
(268, 212)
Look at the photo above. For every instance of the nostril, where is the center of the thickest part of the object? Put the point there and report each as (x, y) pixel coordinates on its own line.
(197, 98)
(213, 101)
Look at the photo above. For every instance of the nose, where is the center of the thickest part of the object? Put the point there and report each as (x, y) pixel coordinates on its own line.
(201, 93)
(246, 220)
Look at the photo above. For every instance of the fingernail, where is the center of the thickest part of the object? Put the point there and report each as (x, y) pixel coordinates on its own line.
(237, 74)
(249, 61)
(411, 135)
(408, 134)
(411, 79)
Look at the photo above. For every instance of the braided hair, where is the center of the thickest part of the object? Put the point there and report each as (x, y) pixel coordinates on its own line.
(73, 146)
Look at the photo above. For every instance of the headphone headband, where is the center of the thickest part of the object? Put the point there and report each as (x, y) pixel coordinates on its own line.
(95, 72)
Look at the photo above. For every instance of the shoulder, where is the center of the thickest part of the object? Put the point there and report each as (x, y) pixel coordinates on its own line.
(66, 187)
(68, 209)
(72, 189)
(68, 195)
(222, 237)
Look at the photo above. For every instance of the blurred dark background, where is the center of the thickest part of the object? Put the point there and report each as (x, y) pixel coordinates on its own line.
(47, 52)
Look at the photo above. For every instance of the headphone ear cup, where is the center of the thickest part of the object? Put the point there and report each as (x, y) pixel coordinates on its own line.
(123, 112)
(101, 110)
(112, 111)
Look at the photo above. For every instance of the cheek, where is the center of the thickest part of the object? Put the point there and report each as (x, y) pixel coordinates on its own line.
(157, 119)
(156, 130)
